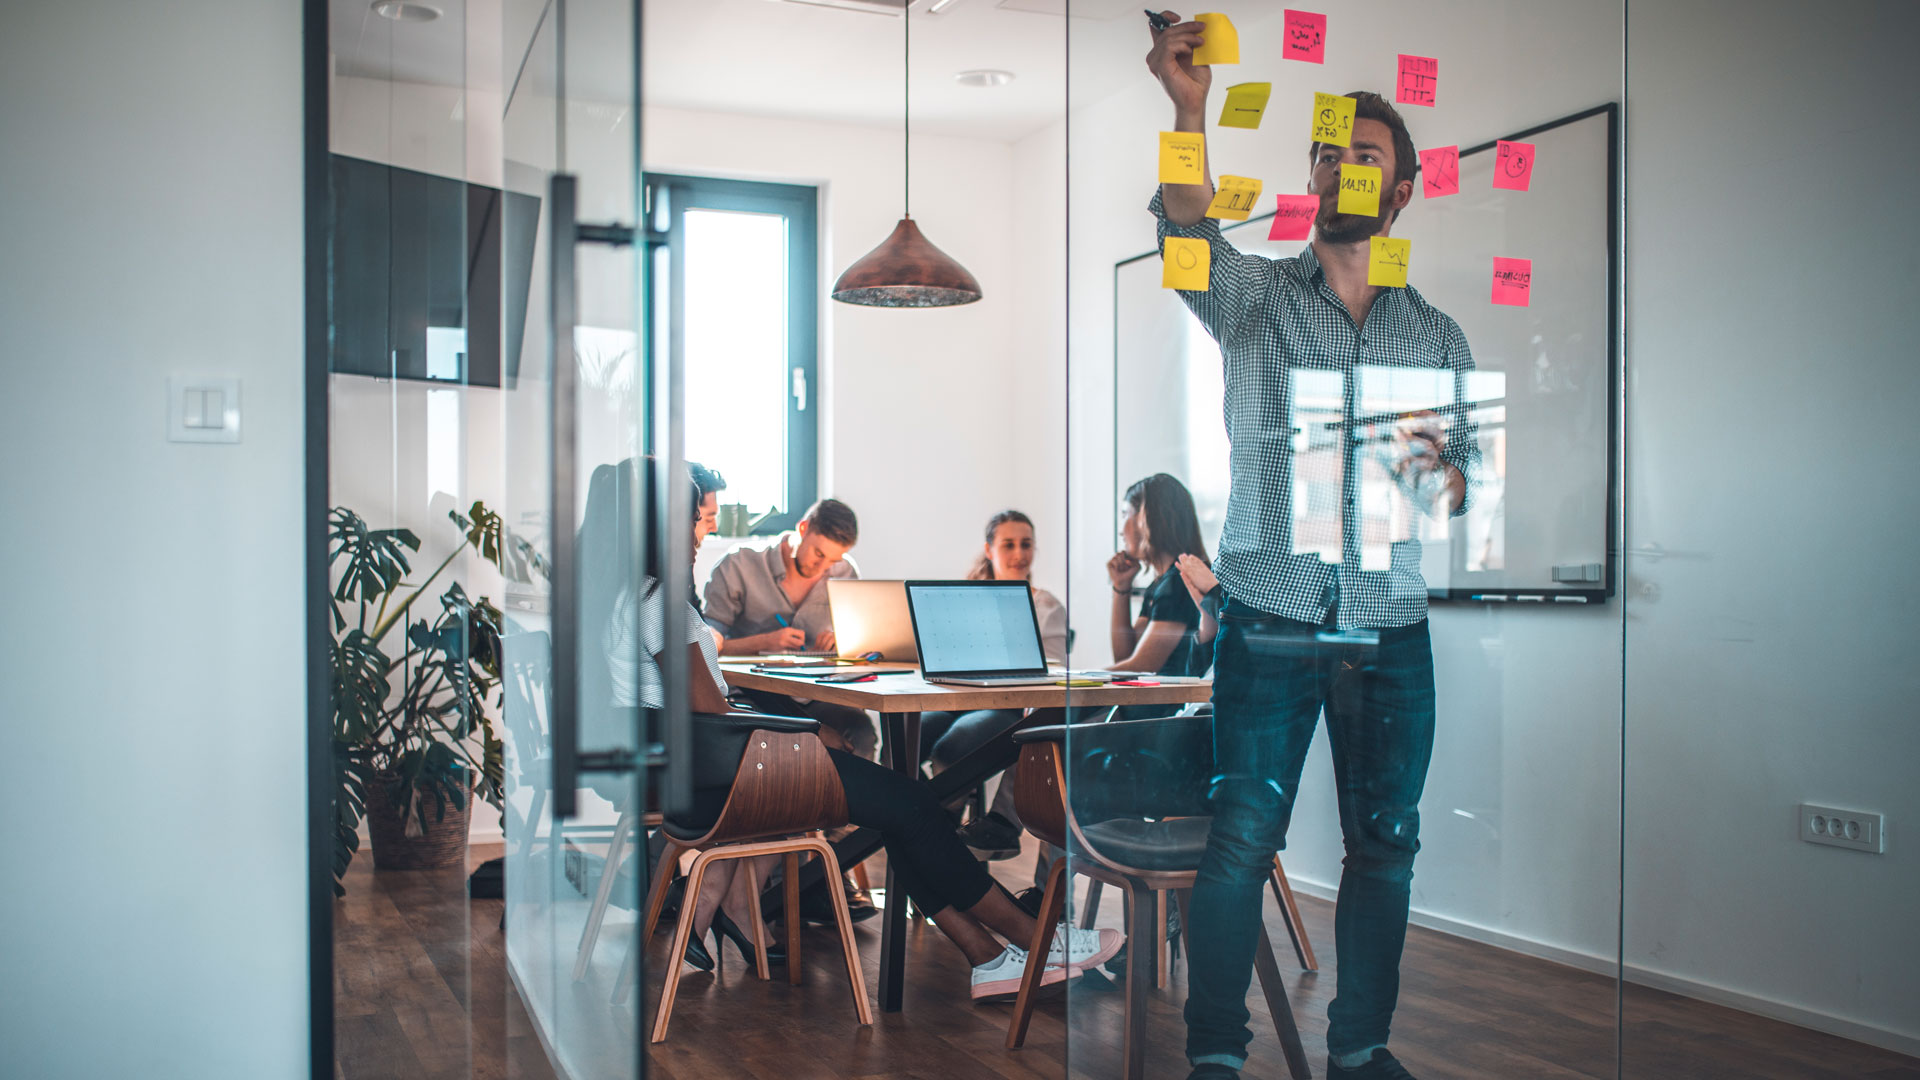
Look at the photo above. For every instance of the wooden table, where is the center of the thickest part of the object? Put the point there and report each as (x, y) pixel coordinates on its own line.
(900, 699)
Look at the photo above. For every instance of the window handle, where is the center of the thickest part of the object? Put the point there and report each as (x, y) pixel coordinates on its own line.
(800, 389)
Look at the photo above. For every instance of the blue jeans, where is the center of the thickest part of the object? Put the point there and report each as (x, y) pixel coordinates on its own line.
(1272, 679)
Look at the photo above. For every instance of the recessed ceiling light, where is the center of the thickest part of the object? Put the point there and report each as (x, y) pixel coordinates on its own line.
(984, 77)
(405, 11)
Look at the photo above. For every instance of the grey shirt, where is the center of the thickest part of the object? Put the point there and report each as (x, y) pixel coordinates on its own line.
(745, 593)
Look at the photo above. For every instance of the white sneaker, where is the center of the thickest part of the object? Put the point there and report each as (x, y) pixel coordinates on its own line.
(1077, 950)
(1000, 977)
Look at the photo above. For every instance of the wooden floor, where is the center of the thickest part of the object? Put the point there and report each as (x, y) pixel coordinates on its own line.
(415, 959)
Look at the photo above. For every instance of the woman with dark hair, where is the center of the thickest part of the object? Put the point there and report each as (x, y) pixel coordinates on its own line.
(1159, 526)
(935, 869)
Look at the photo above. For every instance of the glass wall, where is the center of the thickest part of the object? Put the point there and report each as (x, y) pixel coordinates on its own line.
(1407, 499)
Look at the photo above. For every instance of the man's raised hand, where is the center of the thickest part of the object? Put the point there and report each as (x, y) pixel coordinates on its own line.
(1171, 61)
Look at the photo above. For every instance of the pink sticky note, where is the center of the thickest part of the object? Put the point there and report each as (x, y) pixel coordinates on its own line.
(1293, 219)
(1440, 171)
(1419, 80)
(1512, 281)
(1513, 165)
(1305, 37)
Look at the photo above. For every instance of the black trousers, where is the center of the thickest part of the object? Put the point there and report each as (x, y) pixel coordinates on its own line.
(933, 865)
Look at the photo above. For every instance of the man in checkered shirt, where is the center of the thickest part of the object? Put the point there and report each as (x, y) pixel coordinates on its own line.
(1300, 632)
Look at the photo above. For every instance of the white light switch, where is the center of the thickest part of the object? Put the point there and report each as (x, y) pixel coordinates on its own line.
(203, 409)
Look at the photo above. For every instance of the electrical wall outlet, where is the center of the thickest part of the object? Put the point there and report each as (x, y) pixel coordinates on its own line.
(1854, 829)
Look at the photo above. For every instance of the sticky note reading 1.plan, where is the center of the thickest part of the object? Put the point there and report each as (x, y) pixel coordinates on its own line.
(1234, 198)
(1293, 220)
(1359, 190)
(1184, 264)
(1512, 281)
(1387, 258)
(1219, 42)
(1419, 80)
(1246, 103)
(1183, 156)
(1305, 37)
(1332, 119)
(1440, 171)
(1513, 165)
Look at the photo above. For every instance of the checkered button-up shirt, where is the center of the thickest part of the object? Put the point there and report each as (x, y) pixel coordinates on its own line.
(1274, 318)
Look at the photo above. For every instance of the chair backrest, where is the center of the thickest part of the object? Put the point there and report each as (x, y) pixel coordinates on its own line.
(1156, 768)
(782, 780)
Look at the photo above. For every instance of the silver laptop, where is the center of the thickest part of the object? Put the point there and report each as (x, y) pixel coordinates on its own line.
(872, 617)
(977, 633)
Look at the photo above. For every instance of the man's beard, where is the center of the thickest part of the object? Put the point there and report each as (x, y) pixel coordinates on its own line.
(1338, 228)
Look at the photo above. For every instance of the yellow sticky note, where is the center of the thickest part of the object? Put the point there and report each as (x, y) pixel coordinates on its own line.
(1219, 42)
(1359, 190)
(1233, 198)
(1387, 258)
(1333, 119)
(1246, 104)
(1185, 264)
(1183, 156)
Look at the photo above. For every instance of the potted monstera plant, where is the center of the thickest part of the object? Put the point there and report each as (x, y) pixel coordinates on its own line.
(413, 741)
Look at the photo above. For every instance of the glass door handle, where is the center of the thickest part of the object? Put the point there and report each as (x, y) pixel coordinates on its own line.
(565, 233)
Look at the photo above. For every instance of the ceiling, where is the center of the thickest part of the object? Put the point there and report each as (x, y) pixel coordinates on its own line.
(779, 57)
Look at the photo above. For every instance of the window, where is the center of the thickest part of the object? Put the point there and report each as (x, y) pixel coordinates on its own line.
(749, 305)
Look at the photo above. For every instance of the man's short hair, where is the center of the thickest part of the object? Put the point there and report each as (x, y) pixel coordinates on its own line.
(709, 481)
(834, 520)
(1368, 105)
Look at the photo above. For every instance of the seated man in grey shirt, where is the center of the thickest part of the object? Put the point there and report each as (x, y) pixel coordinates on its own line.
(771, 596)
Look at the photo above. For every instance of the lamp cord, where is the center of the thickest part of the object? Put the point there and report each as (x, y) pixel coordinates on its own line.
(906, 112)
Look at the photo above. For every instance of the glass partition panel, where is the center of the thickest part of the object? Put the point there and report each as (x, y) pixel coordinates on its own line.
(1344, 480)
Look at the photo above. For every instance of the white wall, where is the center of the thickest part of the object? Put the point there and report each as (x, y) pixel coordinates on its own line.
(1772, 333)
(1529, 719)
(154, 920)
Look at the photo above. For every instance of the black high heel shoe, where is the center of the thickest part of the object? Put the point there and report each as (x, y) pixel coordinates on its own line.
(725, 927)
(697, 954)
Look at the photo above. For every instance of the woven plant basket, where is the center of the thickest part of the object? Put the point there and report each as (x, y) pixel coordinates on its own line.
(443, 843)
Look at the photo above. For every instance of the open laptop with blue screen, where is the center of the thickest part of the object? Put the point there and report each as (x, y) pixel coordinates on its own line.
(977, 633)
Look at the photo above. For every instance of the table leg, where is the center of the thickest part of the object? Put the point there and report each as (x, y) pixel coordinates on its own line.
(900, 748)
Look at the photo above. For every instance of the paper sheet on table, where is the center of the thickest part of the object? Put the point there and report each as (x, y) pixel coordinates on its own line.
(1512, 165)
(1185, 264)
(1440, 171)
(1419, 80)
(1219, 43)
(1246, 104)
(1183, 156)
(1512, 281)
(1359, 190)
(1234, 198)
(1332, 119)
(1305, 37)
(1293, 217)
(1387, 258)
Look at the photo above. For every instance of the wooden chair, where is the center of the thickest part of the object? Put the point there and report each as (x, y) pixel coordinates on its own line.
(780, 783)
(1147, 769)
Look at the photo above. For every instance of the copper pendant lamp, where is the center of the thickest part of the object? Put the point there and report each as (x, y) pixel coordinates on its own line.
(906, 270)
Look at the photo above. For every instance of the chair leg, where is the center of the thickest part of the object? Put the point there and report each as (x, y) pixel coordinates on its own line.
(793, 917)
(1163, 950)
(844, 919)
(590, 934)
(682, 933)
(860, 878)
(663, 876)
(759, 928)
(1093, 905)
(1290, 914)
(1140, 913)
(1053, 901)
(1280, 1008)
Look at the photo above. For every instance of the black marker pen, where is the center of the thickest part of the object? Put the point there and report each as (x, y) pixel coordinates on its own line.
(1157, 21)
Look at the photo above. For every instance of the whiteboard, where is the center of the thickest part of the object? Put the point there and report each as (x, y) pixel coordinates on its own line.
(1544, 396)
